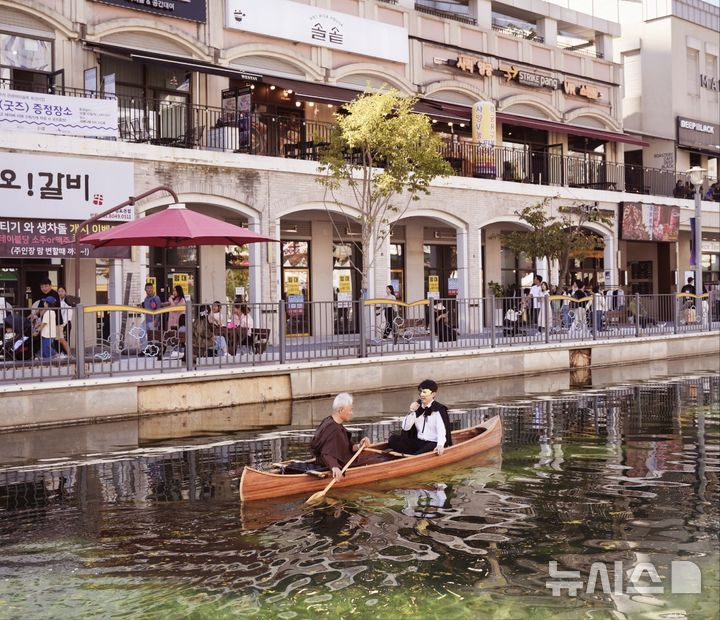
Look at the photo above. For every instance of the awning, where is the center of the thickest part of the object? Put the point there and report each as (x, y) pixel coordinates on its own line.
(575, 130)
(309, 91)
(180, 62)
(446, 112)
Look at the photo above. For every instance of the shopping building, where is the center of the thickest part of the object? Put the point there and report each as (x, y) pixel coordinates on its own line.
(673, 44)
(230, 105)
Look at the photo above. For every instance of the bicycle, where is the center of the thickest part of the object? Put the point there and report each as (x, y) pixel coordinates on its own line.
(396, 329)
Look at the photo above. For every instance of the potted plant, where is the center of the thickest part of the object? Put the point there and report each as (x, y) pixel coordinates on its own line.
(496, 289)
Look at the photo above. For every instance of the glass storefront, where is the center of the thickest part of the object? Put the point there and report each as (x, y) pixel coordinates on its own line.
(397, 269)
(237, 272)
(172, 266)
(25, 63)
(296, 286)
(516, 271)
(345, 286)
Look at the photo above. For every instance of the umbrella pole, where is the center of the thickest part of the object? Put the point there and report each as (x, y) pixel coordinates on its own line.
(129, 202)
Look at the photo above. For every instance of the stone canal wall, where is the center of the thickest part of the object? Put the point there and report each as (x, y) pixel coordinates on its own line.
(79, 402)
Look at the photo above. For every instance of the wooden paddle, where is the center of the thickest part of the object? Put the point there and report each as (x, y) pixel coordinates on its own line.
(317, 497)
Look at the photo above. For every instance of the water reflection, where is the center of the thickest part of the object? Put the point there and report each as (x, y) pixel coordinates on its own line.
(621, 475)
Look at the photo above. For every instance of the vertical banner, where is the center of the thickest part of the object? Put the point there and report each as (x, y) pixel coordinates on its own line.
(483, 123)
(109, 82)
(90, 80)
(692, 242)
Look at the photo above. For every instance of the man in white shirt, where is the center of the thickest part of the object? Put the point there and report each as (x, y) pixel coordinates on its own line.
(536, 294)
(427, 427)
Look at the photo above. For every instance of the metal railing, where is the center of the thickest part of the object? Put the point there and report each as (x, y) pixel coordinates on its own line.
(458, 17)
(166, 123)
(125, 340)
(519, 33)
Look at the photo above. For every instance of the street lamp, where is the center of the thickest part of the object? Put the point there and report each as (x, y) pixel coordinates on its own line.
(696, 178)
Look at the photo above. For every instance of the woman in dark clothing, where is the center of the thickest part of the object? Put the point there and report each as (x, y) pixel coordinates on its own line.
(445, 332)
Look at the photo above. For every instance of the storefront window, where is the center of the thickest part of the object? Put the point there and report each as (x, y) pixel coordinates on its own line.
(102, 280)
(25, 53)
(296, 286)
(237, 272)
(440, 270)
(343, 287)
(175, 266)
(397, 269)
(516, 271)
(711, 262)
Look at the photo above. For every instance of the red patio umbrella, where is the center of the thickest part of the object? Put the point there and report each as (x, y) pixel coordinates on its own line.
(174, 227)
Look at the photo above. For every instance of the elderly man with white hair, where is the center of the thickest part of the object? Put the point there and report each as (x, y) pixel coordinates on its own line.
(331, 443)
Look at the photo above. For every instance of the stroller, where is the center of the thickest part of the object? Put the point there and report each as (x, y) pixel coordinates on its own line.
(19, 342)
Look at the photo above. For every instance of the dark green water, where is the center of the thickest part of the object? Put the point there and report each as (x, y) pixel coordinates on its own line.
(623, 477)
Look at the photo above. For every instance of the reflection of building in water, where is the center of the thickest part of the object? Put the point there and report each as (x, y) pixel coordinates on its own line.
(426, 503)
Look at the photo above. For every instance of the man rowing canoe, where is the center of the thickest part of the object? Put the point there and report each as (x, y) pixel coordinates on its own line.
(331, 444)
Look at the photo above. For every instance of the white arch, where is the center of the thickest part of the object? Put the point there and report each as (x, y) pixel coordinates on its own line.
(170, 32)
(458, 87)
(608, 121)
(505, 219)
(333, 207)
(435, 214)
(550, 112)
(228, 204)
(363, 68)
(307, 67)
(42, 12)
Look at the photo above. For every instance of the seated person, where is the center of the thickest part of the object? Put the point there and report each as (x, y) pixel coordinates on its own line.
(427, 427)
(331, 445)
(445, 332)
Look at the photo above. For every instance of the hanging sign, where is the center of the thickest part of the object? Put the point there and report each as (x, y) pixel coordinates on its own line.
(192, 10)
(57, 114)
(484, 123)
(317, 26)
(40, 186)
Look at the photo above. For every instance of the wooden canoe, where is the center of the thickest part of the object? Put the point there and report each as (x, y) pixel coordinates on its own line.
(373, 465)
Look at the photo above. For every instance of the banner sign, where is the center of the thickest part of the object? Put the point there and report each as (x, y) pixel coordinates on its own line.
(193, 10)
(40, 186)
(57, 114)
(698, 134)
(302, 23)
(649, 222)
(484, 123)
(25, 238)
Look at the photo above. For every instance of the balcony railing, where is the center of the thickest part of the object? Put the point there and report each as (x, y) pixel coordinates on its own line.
(458, 17)
(167, 123)
(519, 33)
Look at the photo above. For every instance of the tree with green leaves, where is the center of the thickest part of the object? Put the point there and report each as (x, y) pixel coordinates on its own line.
(387, 156)
(557, 238)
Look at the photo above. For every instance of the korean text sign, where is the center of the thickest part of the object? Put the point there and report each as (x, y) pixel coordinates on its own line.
(47, 187)
(45, 238)
(319, 26)
(57, 114)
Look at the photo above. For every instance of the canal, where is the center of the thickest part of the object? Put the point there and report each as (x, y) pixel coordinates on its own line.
(603, 502)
